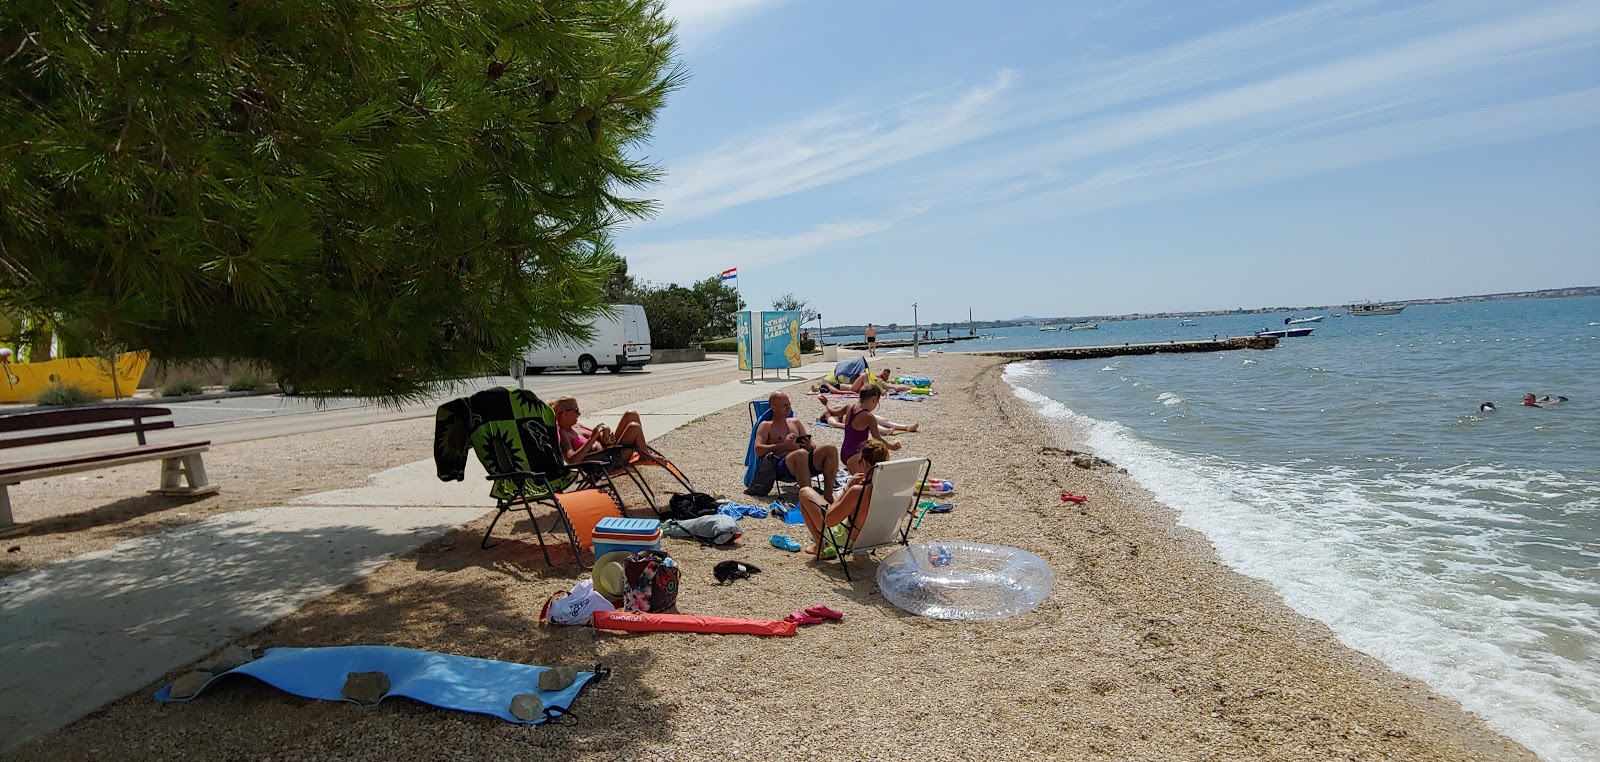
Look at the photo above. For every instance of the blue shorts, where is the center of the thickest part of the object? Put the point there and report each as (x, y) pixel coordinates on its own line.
(783, 468)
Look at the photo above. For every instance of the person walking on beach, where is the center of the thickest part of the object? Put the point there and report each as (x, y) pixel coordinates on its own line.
(872, 340)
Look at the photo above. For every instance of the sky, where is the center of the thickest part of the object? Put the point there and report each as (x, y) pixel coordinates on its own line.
(1100, 158)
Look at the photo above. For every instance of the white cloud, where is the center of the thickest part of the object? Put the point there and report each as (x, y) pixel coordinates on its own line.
(826, 148)
(701, 19)
(685, 261)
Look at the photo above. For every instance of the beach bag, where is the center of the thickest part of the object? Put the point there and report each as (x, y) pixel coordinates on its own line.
(765, 476)
(576, 607)
(691, 506)
(650, 582)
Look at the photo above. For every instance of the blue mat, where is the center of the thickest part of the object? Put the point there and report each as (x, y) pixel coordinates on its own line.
(464, 683)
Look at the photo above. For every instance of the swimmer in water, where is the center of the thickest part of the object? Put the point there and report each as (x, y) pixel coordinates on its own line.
(1487, 407)
(1529, 400)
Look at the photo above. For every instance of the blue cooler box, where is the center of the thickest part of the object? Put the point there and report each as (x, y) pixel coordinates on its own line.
(631, 535)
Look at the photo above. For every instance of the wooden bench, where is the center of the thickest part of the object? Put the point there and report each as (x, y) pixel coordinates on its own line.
(182, 471)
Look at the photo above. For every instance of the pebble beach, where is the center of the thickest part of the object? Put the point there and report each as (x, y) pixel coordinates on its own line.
(1148, 647)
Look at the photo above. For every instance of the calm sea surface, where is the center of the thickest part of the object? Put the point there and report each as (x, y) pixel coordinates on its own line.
(1352, 470)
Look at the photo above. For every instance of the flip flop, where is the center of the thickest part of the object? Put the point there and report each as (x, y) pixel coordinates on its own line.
(942, 508)
(822, 610)
(801, 617)
(785, 542)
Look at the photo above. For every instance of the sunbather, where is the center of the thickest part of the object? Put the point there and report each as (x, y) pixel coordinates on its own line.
(834, 416)
(821, 514)
(787, 437)
(848, 376)
(578, 442)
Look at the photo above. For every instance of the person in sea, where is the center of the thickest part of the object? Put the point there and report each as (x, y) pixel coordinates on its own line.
(872, 340)
(822, 515)
(860, 424)
(1530, 400)
(578, 442)
(1487, 407)
(787, 437)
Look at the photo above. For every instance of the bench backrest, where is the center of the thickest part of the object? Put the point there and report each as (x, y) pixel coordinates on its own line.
(140, 416)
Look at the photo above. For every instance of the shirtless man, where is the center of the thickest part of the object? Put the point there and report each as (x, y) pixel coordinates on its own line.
(872, 340)
(786, 436)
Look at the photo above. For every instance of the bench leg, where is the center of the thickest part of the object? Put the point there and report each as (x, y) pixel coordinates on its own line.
(184, 475)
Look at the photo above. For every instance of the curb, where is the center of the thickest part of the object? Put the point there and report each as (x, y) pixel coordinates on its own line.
(20, 408)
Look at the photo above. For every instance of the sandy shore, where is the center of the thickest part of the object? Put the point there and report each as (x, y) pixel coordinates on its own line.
(1147, 649)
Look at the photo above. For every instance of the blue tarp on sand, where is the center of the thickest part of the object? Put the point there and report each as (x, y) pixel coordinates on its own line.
(464, 683)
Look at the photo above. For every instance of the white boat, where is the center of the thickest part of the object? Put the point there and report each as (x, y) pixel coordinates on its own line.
(1286, 333)
(1361, 310)
(1186, 322)
(1292, 320)
(1051, 328)
(1083, 326)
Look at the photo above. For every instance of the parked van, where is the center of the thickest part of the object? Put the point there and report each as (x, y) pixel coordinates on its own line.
(618, 342)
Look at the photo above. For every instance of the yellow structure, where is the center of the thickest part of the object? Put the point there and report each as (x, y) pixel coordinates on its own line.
(22, 381)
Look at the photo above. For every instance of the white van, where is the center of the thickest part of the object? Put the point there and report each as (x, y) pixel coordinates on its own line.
(619, 341)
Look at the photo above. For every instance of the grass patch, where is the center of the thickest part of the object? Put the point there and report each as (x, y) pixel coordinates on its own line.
(63, 395)
(182, 387)
(248, 382)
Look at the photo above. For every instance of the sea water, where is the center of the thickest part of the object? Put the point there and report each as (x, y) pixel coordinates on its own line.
(1353, 471)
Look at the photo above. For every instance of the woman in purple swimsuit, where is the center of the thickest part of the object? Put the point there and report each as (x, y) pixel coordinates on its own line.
(859, 424)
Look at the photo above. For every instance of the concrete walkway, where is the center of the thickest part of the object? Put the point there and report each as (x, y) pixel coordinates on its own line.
(80, 633)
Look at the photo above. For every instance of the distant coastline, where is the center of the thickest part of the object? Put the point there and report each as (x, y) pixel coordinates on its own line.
(962, 326)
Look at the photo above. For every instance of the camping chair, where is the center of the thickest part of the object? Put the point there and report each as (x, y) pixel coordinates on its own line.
(884, 515)
(514, 436)
(626, 461)
(761, 410)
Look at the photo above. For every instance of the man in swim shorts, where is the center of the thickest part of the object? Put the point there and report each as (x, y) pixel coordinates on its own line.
(872, 340)
(786, 436)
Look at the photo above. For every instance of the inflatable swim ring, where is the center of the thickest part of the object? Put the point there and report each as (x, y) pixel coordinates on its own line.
(964, 580)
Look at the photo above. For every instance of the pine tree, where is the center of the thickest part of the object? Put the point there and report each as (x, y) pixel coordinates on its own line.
(368, 196)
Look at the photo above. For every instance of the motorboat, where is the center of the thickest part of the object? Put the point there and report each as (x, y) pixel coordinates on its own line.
(1367, 308)
(1051, 328)
(1292, 320)
(1083, 326)
(1186, 323)
(1284, 333)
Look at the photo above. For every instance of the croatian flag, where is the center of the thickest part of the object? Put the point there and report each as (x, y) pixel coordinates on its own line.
(730, 273)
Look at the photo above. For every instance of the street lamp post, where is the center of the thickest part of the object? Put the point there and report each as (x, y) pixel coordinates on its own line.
(916, 335)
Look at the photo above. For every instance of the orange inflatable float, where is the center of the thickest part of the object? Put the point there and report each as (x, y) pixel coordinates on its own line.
(629, 621)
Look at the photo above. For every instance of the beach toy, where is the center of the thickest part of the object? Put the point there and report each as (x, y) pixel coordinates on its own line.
(919, 390)
(975, 581)
(1071, 498)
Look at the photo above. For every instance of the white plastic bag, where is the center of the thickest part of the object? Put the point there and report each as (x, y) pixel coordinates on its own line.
(576, 607)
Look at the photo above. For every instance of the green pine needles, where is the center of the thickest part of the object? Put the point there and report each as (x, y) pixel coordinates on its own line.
(366, 196)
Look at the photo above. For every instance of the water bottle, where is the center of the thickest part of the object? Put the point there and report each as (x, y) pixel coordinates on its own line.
(939, 556)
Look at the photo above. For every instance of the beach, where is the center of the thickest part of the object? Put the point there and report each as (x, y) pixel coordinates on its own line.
(1148, 647)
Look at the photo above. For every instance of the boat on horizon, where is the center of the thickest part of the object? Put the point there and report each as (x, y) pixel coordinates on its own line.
(1292, 320)
(1284, 333)
(1368, 308)
(1050, 328)
(1186, 322)
(1083, 326)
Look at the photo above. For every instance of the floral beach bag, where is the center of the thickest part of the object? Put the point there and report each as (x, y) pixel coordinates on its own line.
(652, 582)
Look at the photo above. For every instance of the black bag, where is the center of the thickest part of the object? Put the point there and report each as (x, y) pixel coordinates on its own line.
(691, 506)
(766, 475)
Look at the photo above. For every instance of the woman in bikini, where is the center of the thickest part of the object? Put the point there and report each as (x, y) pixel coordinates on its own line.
(578, 442)
(821, 515)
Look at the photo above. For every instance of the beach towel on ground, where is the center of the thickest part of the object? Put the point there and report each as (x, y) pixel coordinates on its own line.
(738, 511)
(907, 397)
(464, 683)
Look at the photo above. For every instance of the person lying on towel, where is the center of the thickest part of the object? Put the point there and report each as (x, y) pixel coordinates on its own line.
(834, 416)
(821, 515)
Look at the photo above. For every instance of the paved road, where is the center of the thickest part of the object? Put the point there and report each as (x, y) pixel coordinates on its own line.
(239, 419)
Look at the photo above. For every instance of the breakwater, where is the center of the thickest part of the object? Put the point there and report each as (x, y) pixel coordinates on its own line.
(1117, 350)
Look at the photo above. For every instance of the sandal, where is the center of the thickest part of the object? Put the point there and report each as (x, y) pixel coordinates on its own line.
(822, 610)
(801, 617)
